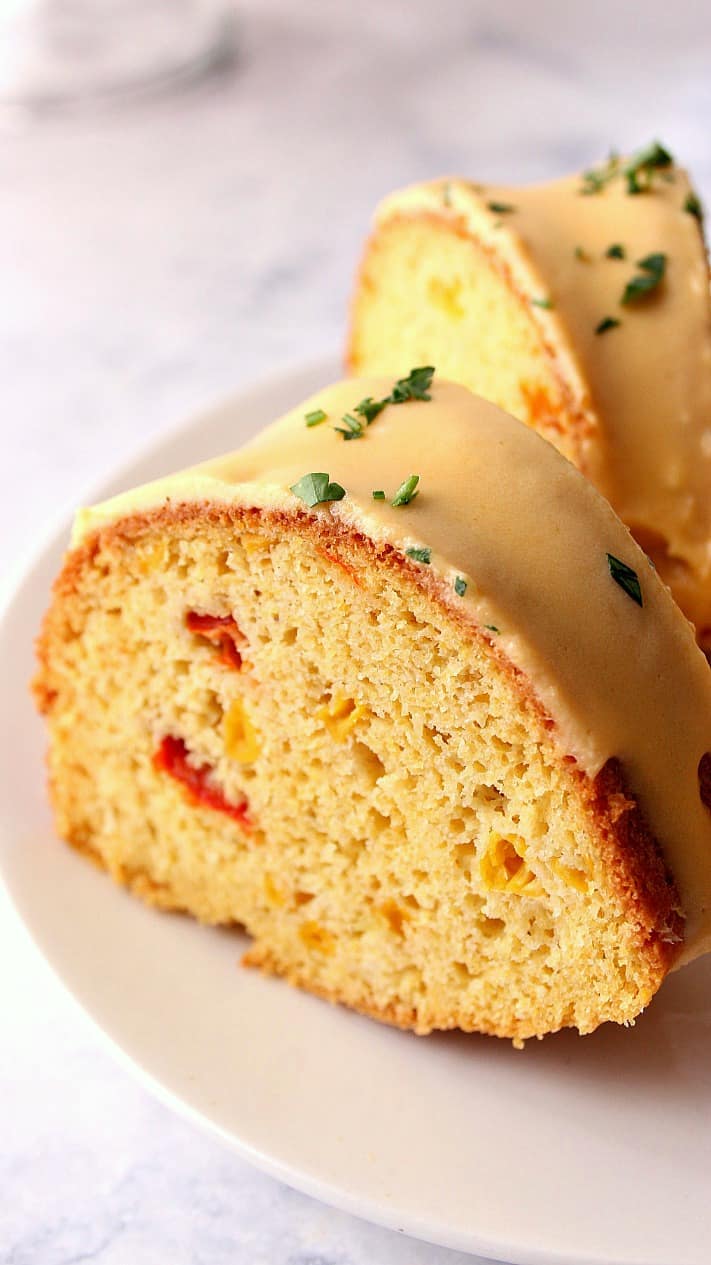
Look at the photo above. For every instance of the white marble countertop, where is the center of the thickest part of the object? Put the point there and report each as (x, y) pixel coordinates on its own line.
(153, 258)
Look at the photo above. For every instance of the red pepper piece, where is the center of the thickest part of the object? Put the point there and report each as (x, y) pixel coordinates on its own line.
(172, 757)
(223, 632)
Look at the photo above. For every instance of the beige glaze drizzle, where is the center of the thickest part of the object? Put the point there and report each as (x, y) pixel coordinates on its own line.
(645, 387)
(501, 507)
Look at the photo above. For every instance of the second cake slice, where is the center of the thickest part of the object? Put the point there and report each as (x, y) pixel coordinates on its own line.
(582, 307)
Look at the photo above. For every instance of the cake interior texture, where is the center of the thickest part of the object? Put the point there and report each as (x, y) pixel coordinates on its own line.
(266, 720)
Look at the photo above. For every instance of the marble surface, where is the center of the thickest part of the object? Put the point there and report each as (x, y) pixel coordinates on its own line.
(153, 258)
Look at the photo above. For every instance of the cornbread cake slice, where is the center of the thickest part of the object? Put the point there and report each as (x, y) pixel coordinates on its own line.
(393, 688)
(582, 307)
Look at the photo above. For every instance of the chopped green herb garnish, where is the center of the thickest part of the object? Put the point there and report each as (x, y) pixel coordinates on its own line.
(616, 251)
(406, 492)
(314, 489)
(369, 408)
(582, 255)
(653, 269)
(420, 555)
(492, 628)
(596, 178)
(351, 428)
(460, 586)
(313, 419)
(379, 495)
(640, 170)
(607, 322)
(627, 579)
(500, 208)
(546, 303)
(414, 387)
(447, 193)
(692, 205)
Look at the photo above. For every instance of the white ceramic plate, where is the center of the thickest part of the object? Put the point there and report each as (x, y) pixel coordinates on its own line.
(586, 1150)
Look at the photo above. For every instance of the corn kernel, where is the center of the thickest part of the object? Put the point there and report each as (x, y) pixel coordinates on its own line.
(340, 716)
(539, 405)
(446, 295)
(316, 937)
(503, 867)
(395, 915)
(241, 739)
(274, 893)
(571, 876)
(152, 557)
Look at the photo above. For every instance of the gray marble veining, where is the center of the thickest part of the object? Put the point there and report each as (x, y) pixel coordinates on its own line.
(154, 258)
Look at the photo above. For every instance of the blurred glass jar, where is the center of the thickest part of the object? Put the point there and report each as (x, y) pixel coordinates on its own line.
(65, 52)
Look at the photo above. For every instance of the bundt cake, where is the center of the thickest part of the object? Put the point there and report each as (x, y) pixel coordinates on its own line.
(393, 688)
(580, 306)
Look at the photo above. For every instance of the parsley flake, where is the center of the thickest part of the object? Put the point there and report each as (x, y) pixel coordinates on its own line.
(492, 628)
(692, 205)
(582, 255)
(379, 495)
(447, 193)
(607, 322)
(406, 492)
(351, 428)
(414, 387)
(640, 170)
(545, 303)
(500, 208)
(315, 489)
(653, 269)
(420, 555)
(595, 180)
(313, 419)
(460, 586)
(627, 579)
(369, 408)
(616, 251)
